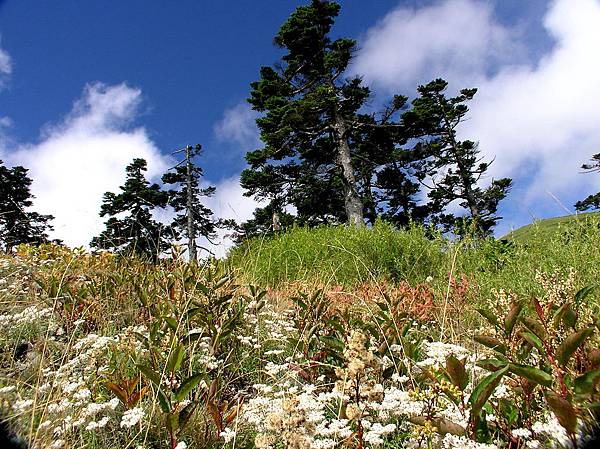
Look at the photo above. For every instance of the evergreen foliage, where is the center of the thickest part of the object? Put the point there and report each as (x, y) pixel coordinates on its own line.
(18, 224)
(454, 166)
(130, 227)
(337, 164)
(592, 202)
(316, 155)
(193, 218)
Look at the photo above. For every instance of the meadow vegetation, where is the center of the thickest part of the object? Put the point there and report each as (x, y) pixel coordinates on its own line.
(325, 338)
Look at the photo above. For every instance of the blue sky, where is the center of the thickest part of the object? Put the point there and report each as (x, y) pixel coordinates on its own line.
(86, 86)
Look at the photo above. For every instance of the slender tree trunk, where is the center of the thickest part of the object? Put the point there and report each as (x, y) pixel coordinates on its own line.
(352, 201)
(191, 225)
(276, 221)
(467, 187)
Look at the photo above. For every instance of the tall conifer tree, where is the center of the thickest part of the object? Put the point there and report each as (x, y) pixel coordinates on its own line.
(311, 124)
(18, 224)
(454, 167)
(130, 227)
(193, 218)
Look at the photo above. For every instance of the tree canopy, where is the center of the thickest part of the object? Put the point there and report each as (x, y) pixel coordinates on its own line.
(331, 158)
(18, 224)
(193, 219)
(314, 156)
(130, 227)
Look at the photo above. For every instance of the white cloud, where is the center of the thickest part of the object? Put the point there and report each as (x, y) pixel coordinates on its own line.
(78, 160)
(452, 39)
(238, 125)
(5, 67)
(229, 202)
(539, 120)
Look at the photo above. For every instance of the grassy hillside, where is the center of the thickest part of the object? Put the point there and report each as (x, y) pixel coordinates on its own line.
(328, 338)
(333, 256)
(549, 226)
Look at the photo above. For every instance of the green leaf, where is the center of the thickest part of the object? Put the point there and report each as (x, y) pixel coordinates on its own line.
(172, 422)
(512, 317)
(172, 323)
(570, 317)
(186, 413)
(491, 364)
(583, 293)
(535, 326)
(191, 313)
(491, 342)
(564, 411)
(532, 374)
(456, 371)
(585, 383)
(152, 375)
(533, 340)
(493, 320)
(566, 349)
(484, 390)
(175, 359)
(187, 386)
(335, 344)
(163, 401)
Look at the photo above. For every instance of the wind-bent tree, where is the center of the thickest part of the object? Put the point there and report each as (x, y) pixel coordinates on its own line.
(311, 125)
(193, 218)
(453, 166)
(130, 227)
(592, 201)
(17, 223)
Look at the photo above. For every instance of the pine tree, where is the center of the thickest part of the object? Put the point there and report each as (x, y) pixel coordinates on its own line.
(311, 127)
(454, 166)
(592, 201)
(130, 227)
(193, 218)
(17, 223)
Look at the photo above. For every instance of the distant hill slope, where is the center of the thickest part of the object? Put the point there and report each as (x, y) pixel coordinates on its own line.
(548, 226)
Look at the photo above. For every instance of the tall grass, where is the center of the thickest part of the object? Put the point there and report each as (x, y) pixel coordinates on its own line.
(338, 255)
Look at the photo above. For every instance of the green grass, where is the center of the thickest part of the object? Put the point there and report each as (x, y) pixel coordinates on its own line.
(347, 256)
(549, 226)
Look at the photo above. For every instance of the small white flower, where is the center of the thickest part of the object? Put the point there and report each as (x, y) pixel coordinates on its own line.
(181, 445)
(521, 433)
(228, 435)
(132, 417)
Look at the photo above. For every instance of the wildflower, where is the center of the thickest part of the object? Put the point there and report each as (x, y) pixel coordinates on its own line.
(132, 417)
(181, 445)
(521, 433)
(228, 435)
(97, 425)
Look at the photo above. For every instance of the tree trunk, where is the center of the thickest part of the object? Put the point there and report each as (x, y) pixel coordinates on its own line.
(276, 221)
(191, 226)
(352, 201)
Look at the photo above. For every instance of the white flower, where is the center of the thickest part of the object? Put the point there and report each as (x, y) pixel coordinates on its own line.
(227, 435)
(181, 445)
(97, 425)
(132, 417)
(521, 433)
